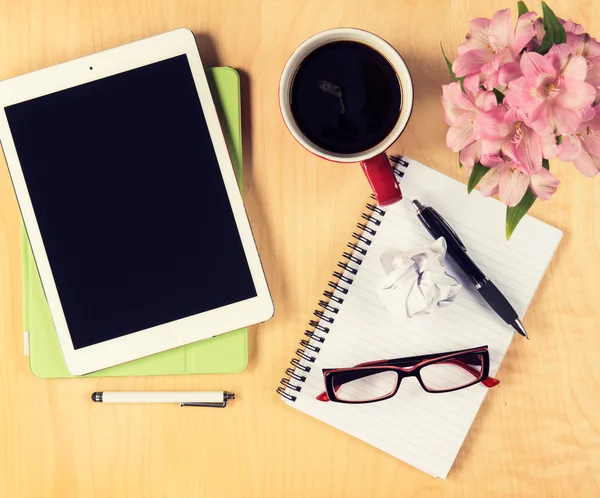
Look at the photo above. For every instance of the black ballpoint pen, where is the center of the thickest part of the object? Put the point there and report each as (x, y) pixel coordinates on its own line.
(439, 227)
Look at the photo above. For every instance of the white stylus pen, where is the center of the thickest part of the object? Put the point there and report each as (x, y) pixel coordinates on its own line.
(217, 399)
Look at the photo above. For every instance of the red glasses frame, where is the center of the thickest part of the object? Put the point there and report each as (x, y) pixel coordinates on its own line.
(409, 367)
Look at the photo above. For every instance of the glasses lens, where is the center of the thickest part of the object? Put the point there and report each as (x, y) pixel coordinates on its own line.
(355, 386)
(453, 373)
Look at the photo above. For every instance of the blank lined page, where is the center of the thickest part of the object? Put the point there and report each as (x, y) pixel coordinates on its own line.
(425, 430)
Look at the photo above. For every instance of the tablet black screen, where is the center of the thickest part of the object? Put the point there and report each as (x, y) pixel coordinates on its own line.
(130, 202)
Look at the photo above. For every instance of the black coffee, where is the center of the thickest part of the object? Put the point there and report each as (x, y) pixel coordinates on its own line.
(345, 97)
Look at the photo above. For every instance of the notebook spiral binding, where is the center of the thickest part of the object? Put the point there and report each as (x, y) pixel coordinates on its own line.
(328, 308)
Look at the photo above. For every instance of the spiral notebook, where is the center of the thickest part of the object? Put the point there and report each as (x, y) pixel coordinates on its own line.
(351, 326)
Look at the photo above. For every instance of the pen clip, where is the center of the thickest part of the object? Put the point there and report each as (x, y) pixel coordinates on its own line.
(450, 229)
(220, 404)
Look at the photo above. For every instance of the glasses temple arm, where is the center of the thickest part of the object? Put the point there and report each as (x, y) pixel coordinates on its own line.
(487, 382)
(323, 396)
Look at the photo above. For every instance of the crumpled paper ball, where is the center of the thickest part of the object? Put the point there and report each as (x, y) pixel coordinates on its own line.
(417, 283)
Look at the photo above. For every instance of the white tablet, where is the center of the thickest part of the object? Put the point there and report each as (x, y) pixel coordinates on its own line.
(130, 202)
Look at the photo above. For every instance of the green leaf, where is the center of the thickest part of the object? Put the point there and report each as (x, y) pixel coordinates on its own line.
(555, 32)
(452, 75)
(522, 8)
(550, 19)
(448, 63)
(460, 165)
(514, 214)
(499, 96)
(479, 171)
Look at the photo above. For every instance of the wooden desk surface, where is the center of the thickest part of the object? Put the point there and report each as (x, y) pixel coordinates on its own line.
(537, 435)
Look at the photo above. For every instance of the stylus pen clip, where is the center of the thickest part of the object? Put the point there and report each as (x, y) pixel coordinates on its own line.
(222, 404)
(211, 404)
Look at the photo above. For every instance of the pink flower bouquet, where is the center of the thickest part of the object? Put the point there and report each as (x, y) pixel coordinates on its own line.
(523, 94)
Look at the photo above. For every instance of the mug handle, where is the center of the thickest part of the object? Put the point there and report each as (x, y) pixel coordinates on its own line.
(382, 179)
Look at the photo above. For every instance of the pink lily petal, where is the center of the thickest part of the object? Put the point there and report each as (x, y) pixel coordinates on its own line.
(588, 161)
(509, 72)
(569, 63)
(501, 29)
(544, 184)
(547, 119)
(524, 32)
(591, 49)
(471, 154)
(483, 100)
(513, 183)
(549, 146)
(516, 139)
(575, 94)
(515, 114)
(576, 68)
(458, 137)
(492, 161)
(540, 32)
(487, 82)
(593, 74)
(569, 149)
(584, 45)
(561, 49)
(490, 148)
(536, 68)
(470, 62)
(564, 121)
(491, 126)
(492, 66)
(487, 101)
(472, 85)
(591, 133)
(504, 56)
(573, 27)
(520, 94)
(593, 77)
(588, 113)
(539, 119)
(528, 152)
(591, 145)
(477, 38)
(455, 102)
(491, 81)
(587, 164)
(489, 184)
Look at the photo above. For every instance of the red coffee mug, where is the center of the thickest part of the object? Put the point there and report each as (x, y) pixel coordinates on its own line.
(374, 161)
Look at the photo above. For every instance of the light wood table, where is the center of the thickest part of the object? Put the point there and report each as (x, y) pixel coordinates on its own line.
(537, 435)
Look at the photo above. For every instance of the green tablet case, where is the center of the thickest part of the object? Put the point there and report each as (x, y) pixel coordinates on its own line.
(225, 353)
